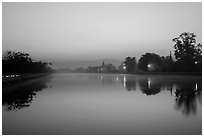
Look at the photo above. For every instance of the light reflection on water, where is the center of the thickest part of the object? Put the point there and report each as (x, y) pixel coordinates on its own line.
(104, 104)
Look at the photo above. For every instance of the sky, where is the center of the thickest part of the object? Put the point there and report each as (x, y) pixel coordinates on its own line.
(63, 32)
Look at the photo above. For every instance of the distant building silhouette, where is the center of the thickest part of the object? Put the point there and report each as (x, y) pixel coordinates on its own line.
(103, 68)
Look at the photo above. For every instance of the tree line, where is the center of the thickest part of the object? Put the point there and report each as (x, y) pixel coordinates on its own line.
(188, 58)
(18, 63)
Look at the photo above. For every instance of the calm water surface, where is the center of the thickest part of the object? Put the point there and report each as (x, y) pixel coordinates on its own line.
(104, 104)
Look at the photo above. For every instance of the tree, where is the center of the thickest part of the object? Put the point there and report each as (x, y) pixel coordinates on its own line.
(150, 62)
(167, 63)
(130, 64)
(187, 53)
(18, 62)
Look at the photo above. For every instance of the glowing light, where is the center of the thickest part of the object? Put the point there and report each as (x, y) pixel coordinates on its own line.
(124, 79)
(124, 84)
(149, 65)
(117, 78)
(124, 67)
(196, 62)
(196, 88)
(149, 83)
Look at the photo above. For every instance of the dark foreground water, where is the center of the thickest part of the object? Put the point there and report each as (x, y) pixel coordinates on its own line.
(104, 104)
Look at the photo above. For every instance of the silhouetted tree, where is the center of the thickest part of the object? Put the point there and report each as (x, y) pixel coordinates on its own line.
(110, 68)
(150, 62)
(18, 62)
(130, 64)
(15, 62)
(167, 63)
(187, 53)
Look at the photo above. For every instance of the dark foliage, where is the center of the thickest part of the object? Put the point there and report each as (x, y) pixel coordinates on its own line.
(130, 64)
(17, 62)
(167, 63)
(187, 53)
(150, 62)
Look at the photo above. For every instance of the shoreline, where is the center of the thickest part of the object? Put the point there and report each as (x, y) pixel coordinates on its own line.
(6, 82)
(171, 73)
(148, 73)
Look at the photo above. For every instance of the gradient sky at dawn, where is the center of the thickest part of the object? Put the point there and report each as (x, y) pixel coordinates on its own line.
(89, 31)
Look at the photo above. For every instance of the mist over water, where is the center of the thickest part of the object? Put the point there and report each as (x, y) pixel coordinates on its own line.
(104, 104)
(113, 48)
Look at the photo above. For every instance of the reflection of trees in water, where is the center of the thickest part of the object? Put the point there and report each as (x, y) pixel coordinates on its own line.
(187, 97)
(187, 92)
(130, 85)
(129, 82)
(149, 87)
(22, 95)
(105, 79)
